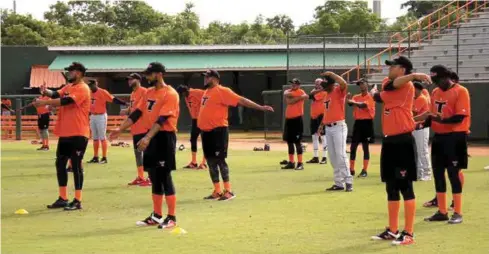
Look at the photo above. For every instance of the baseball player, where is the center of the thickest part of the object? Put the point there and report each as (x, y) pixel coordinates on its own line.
(43, 113)
(138, 129)
(421, 135)
(193, 97)
(72, 128)
(398, 154)
(7, 111)
(294, 98)
(158, 110)
(363, 129)
(317, 96)
(334, 126)
(450, 120)
(213, 121)
(98, 119)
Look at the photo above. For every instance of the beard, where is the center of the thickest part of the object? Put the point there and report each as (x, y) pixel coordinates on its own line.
(206, 85)
(70, 78)
(152, 82)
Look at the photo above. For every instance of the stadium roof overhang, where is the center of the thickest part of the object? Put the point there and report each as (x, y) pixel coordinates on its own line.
(223, 61)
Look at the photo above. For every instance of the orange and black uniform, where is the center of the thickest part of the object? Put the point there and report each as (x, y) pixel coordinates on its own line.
(6, 106)
(161, 106)
(73, 130)
(363, 128)
(449, 146)
(138, 130)
(294, 125)
(43, 115)
(193, 101)
(213, 122)
(398, 154)
(317, 110)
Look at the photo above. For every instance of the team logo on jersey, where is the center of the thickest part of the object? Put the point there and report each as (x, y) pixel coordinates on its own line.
(93, 101)
(151, 104)
(326, 103)
(204, 100)
(439, 105)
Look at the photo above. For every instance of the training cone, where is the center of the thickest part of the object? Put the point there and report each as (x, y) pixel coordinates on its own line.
(178, 231)
(21, 211)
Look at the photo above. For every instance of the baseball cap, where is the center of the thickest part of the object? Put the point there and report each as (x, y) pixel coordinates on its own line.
(211, 73)
(295, 81)
(182, 88)
(418, 85)
(440, 71)
(76, 66)
(361, 81)
(402, 61)
(155, 67)
(134, 76)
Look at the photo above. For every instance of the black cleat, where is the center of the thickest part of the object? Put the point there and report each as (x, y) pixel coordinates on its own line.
(289, 165)
(313, 160)
(43, 148)
(169, 222)
(103, 160)
(431, 203)
(93, 160)
(59, 203)
(349, 187)
(73, 205)
(284, 162)
(152, 220)
(438, 216)
(363, 174)
(69, 169)
(324, 160)
(335, 188)
(352, 172)
(300, 166)
(386, 235)
(455, 219)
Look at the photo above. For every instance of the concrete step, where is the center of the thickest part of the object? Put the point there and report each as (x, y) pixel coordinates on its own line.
(454, 46)
(448, 52)
(450, 41)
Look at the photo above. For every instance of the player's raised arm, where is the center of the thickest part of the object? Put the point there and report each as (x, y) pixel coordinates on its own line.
(337, 78)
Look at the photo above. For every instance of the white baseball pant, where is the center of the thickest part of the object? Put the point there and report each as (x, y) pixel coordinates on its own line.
(336, 139)
(98, 126)
(423, 164)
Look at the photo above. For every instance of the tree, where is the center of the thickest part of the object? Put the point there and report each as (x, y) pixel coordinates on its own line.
(21, 35)
(419, 9)
(282, 22)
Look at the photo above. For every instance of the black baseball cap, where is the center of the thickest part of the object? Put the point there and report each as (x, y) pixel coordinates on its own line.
(134, 76)
(418, 85)
(211, 73)
(440, 71)
(92, 82)
(76, 66)
(361, 81)
(155, 67)
(295, 81)
(182, 88)
(402, 61)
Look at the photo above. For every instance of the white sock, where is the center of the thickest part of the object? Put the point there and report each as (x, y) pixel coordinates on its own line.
(325, 146)
(315, 144)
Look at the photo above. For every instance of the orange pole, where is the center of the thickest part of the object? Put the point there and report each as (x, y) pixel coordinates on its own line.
(358, 72)
(368, 67)
(429, 28)
(378, 63)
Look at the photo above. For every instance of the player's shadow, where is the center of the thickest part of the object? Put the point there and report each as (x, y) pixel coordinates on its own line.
(100, 232)
(35, 175)
(367, 246)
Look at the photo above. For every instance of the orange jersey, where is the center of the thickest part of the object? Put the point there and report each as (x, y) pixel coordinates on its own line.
(420, 105)
(193, 101)
(454, 101)
(214, 107)
(6, 102)
(296, 109)
(334, 105)
(99, 100)
(426, 94)
(364, 113)
(43, 109)
(136, 97)
(398, 115)
(160, 102)
(73, 118)
(317, 104)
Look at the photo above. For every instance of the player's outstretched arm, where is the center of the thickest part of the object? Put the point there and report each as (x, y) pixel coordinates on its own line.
(133, 117)
(119, 101)
(251, 104)
(401, 81)
(337, 78)
(49, 93)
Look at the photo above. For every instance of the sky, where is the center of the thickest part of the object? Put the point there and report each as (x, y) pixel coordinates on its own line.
(230, 11)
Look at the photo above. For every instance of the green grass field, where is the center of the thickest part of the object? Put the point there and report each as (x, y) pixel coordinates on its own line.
(275, 211)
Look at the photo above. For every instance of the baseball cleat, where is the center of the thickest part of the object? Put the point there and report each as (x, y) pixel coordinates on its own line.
(290, 165)
(431, 203)
(136, 181)
(93, 160)
(300, 166)
(386, 235)
(152, 220)
(349, 187)
(103, 160)
(191, 165)
(213, 196)
(455, 219)
(59, 203)
(404, 239)
(226, 196)
(202, 166)
(145, 183)
(73, 205)
(363, 174)
(324, 160)
(352, 172)
(284, 162)
(313, 160)
(335, 188)
(438, 216)
(169, 222)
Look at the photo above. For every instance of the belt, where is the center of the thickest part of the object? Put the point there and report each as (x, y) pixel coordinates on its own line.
(96, 114)
(334, 123)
